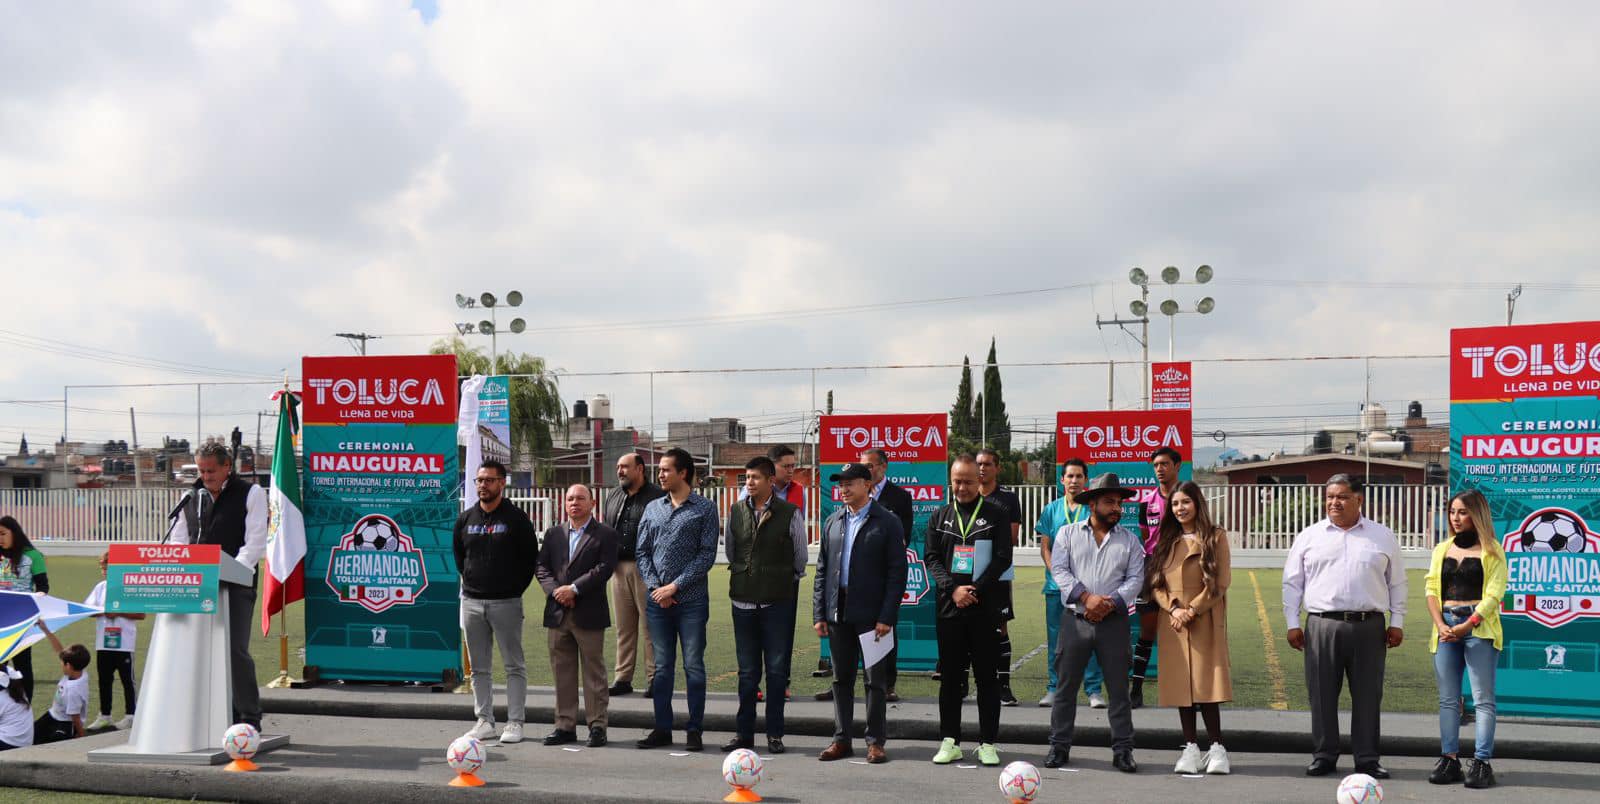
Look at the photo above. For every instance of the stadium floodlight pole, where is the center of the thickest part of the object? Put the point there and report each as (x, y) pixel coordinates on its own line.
(490, 327)
(1169, 308)
(1140, 308)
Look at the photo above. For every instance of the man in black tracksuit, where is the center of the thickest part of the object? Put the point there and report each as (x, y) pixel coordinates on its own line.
(967, 550)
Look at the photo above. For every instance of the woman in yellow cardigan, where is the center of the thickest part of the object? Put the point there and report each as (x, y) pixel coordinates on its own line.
(1466, 580)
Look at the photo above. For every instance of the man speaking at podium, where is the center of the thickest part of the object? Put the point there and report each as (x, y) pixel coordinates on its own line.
(223, 510)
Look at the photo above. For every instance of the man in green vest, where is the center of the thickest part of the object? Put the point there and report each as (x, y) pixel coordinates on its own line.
(766, 548)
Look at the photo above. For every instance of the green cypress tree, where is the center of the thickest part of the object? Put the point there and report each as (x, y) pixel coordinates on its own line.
(997, 425)
(963, 422)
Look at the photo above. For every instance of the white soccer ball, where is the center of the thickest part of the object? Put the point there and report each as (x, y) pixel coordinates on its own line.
(742, 768)
(376, 534)
(1019, 781)
(241, 741)
(465, 755)
(1359, 788)
(1555, 531)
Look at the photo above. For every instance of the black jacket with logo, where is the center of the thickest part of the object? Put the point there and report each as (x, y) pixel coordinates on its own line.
(992, 526)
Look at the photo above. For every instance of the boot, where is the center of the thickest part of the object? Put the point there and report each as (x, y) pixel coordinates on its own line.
(1446, 771)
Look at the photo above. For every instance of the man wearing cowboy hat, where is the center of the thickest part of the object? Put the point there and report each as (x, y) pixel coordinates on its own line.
(1100, 569)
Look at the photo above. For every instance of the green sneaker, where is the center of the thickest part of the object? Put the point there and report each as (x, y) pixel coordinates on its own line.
(948, 752)
(988, 754)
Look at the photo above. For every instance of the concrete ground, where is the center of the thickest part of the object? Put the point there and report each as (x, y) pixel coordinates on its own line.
(385, 759)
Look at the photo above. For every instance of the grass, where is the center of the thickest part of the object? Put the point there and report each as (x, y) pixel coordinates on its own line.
(1409, 678)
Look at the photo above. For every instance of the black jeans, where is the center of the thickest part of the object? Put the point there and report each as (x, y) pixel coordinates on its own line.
(845, 645)
(763, 641)
(965, 640)
(120, 662)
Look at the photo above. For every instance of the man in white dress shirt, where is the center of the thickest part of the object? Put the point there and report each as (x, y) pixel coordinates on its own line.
(1347, 572)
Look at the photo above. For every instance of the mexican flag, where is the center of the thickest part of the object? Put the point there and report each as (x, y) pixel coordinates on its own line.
(286, 529)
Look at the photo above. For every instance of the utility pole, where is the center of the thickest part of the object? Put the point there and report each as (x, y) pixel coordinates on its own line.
(138, 479)
(1511, 303)
(1140, 308)
(359, 339)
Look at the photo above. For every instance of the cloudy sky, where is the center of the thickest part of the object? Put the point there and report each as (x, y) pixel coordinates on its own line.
(209, 191)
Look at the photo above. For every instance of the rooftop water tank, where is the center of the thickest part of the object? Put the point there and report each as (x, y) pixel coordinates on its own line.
(580, 409)
(600, 406)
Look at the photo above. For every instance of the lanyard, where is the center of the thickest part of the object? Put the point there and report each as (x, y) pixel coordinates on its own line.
(966, 528)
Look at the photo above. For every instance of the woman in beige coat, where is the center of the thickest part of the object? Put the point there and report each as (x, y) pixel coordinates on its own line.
(1189, 576)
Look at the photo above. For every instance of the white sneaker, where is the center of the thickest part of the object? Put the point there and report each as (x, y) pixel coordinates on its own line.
(1097, 701)
(512, 734)
(125, 723)
(1049, 699)
(1217, 760)
(1189, 760)
(483, 731)
(101, 722)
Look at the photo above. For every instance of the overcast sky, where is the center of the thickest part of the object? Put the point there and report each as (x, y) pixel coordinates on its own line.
(223, 186)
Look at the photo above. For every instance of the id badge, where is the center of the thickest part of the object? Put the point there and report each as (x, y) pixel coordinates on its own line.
(963, 559)
(113, 640)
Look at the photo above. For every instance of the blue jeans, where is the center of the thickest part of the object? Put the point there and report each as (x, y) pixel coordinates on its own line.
(1479, 657)
(763, 639)
(1092, 677)
(685, 622)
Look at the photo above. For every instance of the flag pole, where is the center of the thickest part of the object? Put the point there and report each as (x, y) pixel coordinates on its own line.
(283, 681)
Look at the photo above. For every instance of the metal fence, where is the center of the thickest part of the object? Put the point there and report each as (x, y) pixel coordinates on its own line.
(1258, 517)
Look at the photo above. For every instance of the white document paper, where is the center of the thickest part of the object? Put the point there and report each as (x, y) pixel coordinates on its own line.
(874, 647)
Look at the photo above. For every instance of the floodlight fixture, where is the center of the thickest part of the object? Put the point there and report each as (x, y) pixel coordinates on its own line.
(487, 299)
(1203, 274)
(1139, 308)
(462, 301)
(1169, 307)
(1138, 277)
(514, 298)
(486, 327)
(1206, 305)
(518, 325)
(1171, 274)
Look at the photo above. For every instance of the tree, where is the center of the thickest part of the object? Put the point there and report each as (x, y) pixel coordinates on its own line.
(535, 401)
(996, 424)
(963, 424)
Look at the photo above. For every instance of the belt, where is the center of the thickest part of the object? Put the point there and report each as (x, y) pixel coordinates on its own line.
(1347, 616)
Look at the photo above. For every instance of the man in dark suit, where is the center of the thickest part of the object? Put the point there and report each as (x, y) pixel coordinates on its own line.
(861, 576)
(575, 561)
(898, 501)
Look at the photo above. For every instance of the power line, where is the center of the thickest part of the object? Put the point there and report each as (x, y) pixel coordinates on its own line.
(100, 355)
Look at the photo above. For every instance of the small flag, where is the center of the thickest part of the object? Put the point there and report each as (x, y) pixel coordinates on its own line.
(286, 527)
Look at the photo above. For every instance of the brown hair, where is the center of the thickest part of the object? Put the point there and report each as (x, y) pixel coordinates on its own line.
(1482, 521)
(1170, 533)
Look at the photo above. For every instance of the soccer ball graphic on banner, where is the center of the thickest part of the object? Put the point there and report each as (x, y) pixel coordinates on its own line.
(1019, 781)
(742, 768)
(1554, 531)
(375, 533)
(1359, 788)
(241, 741)
(465, 755)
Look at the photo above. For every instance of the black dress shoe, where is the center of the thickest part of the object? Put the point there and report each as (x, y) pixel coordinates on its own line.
(1373, 769)
(1136, 698)
(693, 742)
(1123, 761)
(892, 697)
(1480, 775)
(1057, 757)
(1321, 767)
(1446, 771)
(655, 739)
(597, 737)
(560, 737)
(738, 743)
(775, 745)
(1007, 697)
(621, 688)
(825, 695)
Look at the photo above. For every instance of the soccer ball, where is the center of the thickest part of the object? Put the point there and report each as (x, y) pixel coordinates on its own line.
(241, 741)
(376, 534)
(1554, 531)
(1359, 788)
(742, 768)
(465, 755)
(1019, 781)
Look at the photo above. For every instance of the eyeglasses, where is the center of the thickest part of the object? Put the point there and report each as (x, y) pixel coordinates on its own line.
(484, 481)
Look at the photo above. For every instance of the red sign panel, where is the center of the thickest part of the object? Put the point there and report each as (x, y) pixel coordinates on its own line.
(164, 554)
(1532, 360)
(908, 437)
(1107, 436)
(1171, 386)
(405, 389)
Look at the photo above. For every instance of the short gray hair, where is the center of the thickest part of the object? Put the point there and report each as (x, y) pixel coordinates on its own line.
(1352, 483)
(215, 451)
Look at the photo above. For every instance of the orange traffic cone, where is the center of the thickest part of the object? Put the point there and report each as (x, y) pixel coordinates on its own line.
(466, 779)
(241, 765)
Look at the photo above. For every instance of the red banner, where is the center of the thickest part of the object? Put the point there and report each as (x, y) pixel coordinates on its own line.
(908, 437)
(1121, 436)
(1532, 360)
(164, 554)
(1171, 386)
(406, 389)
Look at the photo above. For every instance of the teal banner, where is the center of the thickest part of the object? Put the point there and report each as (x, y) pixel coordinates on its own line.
(915, 444)
(1525, 431)
(163, 579)
(381, 484)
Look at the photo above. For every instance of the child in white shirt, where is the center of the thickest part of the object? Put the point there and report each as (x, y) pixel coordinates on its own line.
(114, 638)
(64, 721)
(16, 716)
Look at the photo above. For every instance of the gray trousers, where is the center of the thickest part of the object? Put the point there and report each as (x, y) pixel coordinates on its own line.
(497, 621)
(844, 642)
(1109, 642)
(241, 621)
(1336, 650)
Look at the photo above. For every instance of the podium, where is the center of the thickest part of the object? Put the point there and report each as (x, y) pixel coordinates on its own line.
(186, 689)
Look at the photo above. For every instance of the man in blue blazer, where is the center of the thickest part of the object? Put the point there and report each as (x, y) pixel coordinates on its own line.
(861, 576)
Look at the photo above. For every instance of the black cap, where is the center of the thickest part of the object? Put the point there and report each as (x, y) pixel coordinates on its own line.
(851, 471)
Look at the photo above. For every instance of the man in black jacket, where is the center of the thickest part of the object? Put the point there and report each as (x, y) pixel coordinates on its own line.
(624, 507)
(898, 501)
(967, 551)
(861, 576)
(495, 551)
(576, 560)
